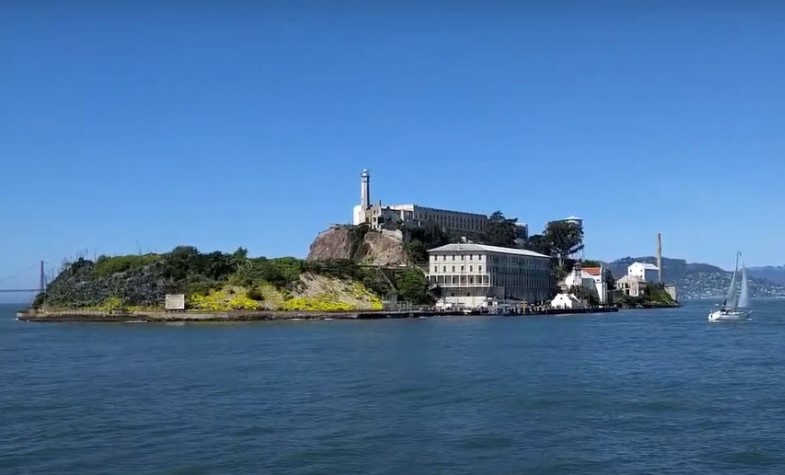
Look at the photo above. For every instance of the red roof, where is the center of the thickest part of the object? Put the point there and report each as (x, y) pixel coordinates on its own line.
(592, 270)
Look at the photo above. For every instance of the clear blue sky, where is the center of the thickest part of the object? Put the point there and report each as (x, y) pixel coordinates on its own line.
(226, 124)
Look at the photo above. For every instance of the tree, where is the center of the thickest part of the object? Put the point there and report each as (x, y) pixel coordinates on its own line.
(423, 238)
(564, 239)
(500, 231)
(537, 243)
(413, 287)
(239, 257)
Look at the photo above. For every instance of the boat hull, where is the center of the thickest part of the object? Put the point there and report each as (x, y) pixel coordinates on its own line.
(728, 315)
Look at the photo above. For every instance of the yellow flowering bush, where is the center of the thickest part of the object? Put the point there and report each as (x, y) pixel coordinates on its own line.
(111, 304)
(222, 301)
(320, 303)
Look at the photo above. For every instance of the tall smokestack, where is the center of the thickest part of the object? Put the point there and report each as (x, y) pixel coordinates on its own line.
(659, 257)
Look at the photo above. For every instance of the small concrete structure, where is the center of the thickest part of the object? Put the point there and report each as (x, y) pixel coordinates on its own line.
(631, 285)
(174, 302)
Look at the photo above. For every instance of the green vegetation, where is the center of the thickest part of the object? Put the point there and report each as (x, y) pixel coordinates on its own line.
(219, 281)
(413, 287)
(590, 263)
(654, 296)
(422, 238)
(106, 266)
(500, 231)
(560, 239)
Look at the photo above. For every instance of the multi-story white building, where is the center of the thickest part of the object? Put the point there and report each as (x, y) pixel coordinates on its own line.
(644, 271)
(470, 274)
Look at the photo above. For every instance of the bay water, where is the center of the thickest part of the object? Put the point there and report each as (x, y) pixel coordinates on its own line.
(634, 392)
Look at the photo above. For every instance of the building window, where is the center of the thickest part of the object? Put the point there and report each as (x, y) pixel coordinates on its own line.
(471, 257)
(453, 268)
(436, 268)
(471, 268)
(479, 269)
(444, 269)
(461, 268)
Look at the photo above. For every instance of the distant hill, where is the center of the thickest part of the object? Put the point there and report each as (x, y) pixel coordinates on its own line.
(774, 274)
(697, 280)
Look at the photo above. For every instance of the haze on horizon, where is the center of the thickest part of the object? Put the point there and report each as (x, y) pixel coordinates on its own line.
(139, 126)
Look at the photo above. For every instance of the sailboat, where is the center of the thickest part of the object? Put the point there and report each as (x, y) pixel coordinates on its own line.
(734, 308)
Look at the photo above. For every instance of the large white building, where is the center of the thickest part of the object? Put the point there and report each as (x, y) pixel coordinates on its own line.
(471, 274)
(377, 215)
(644, 271)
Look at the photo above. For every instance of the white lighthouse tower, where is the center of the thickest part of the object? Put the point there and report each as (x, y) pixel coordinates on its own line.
(365, 192)
(359, 213)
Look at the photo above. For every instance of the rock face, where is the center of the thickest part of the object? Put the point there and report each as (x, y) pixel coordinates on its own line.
(364, 247)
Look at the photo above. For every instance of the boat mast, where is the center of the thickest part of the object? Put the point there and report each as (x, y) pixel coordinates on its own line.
(730, 298)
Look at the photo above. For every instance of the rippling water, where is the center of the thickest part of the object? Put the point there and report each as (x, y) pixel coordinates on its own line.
(634, 392)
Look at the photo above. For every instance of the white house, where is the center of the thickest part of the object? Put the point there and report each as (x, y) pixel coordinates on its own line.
(643, 271)
(592, 279)
(566, 301)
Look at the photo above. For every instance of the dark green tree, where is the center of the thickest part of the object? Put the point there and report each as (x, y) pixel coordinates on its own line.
(413, 287)
(537, 243)
(421, 239)
(239, 257)
(564, 239)
(500, 231)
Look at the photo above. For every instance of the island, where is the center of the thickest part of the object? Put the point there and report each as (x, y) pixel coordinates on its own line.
(219, 285)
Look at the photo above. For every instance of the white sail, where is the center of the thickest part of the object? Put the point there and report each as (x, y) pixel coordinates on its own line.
(744, 295)
(730, 298)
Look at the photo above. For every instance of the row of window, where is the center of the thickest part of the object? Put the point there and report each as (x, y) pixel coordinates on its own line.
(497, 259)
(444, 269)
(458, 280)
(462, 257)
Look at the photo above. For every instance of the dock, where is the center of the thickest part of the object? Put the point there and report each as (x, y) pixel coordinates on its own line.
(88, 316)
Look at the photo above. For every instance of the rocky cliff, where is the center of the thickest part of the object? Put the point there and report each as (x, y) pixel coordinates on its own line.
(359, 245)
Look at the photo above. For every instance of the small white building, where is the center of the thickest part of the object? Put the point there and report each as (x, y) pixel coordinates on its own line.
(644, 271)
(591, 279)
(566, 301)
(631, 285)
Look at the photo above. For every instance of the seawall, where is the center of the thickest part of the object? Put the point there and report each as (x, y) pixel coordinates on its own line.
(247, 316)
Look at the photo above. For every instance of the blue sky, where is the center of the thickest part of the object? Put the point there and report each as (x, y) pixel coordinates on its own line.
(130, 125)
